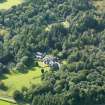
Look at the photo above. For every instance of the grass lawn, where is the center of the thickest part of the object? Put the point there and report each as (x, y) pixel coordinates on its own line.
(5, 103)
(65, 24)
(64, 62)
(15, 81)
(9, 3)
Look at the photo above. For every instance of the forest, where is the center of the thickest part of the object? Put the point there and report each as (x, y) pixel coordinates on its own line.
(71, 30)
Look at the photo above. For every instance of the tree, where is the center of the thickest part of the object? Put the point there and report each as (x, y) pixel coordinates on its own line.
(42, 71)
(17, 95)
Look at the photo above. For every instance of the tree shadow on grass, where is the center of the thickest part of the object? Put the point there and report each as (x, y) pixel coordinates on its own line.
(23, 71)
(31, 68)
(2, 77)
(3, 88)
(19, 102)
(2, 1)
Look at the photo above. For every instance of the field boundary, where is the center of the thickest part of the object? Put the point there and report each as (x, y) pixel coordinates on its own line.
(10, 100)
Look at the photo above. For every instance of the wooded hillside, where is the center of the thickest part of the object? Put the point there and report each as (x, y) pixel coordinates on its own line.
(73, 31)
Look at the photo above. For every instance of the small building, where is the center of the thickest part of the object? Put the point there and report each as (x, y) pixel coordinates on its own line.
(39, 55)
(55, 65)
(52, 62)
(50, 58)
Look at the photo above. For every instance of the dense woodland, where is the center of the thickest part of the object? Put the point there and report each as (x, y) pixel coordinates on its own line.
(81, 80)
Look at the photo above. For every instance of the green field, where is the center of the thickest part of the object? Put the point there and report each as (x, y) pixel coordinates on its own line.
(4, 103)
(65, 24)
(9, 3)
(15, 81)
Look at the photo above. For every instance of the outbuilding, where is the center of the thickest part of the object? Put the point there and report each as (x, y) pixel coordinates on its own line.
(52, 62)
(39, 55)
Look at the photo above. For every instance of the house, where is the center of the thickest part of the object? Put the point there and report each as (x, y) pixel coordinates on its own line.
(55, 65)
(52, 62)
(50, 58)
(39, 55)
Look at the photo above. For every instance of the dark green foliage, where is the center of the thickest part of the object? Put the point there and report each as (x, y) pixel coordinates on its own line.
(36, 64)
(42, 71)
(49, 100)
(27, 25)
(17, 95)
(3, 69)
(1, 1)
(2, 86)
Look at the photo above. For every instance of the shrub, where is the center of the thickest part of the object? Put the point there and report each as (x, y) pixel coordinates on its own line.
(36, 63)
(20, 66)
(2, 86)
(17, 95)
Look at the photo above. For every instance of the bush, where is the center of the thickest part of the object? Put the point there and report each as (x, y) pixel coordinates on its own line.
(20, 66)
(2, 86)
(3, 69)
(42, 71)
(36, 63)
(1, 1)
(17, 95)
(24, 60)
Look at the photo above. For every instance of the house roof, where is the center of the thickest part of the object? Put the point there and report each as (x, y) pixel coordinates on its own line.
(49, 57)
(39, 54)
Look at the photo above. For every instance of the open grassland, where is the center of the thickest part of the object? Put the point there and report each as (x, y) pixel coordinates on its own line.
(4, 103)
(9, 3)
(7, 101)
(19, 80)
(65, 24)
(15, 81)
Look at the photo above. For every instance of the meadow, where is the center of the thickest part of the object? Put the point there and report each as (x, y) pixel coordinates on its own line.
(7, 101)
(9, 3)
(15, 81)
(4, 103)
(65, 24)
(19, 80)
